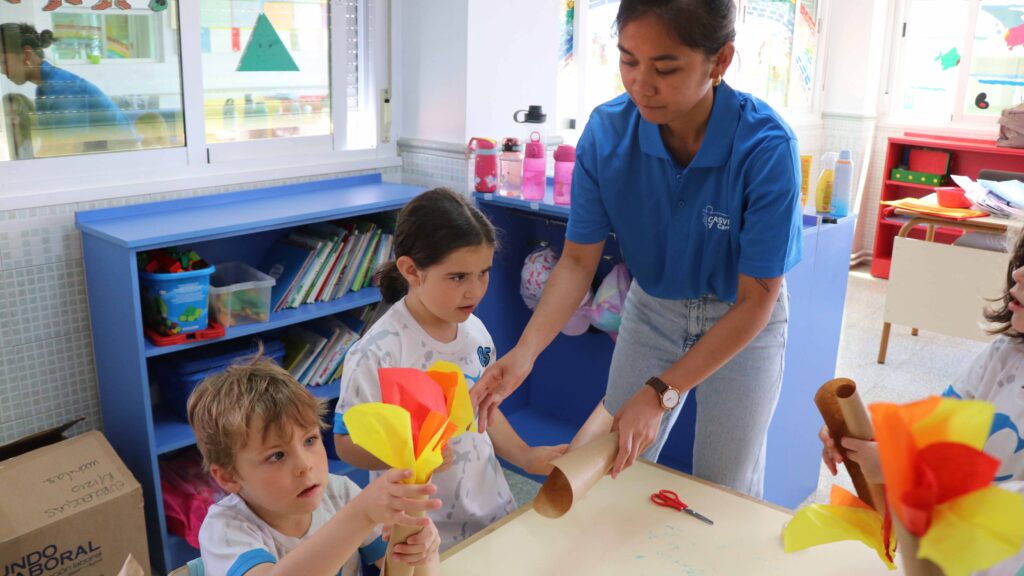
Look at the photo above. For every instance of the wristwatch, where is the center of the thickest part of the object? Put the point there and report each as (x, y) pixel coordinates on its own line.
(668, 395)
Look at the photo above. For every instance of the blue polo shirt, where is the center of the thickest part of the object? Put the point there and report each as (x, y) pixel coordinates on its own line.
(690, 231)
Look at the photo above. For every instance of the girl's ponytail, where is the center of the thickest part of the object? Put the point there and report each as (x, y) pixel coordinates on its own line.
(393, 286)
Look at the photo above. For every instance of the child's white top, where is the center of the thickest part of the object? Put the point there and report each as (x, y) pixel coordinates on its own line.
(233, 539)
(473, 491)
(997, 376)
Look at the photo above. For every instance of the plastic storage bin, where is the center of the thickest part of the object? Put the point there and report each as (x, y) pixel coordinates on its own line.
(240, 294)
(176, 303)
(178, 378)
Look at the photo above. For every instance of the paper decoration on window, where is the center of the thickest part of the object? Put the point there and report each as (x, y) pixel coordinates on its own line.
(981, 101)
(950, 59)
(265, 52)
(1015, 37)
(158, 5)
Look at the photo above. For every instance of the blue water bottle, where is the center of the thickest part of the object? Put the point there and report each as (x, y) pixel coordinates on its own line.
(842, 186)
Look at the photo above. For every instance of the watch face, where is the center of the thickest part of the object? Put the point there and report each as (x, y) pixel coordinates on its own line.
(670, 398)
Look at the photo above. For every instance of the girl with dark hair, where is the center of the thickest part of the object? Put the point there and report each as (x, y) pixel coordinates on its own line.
(444, 248)
(701, 185)
(64, 102)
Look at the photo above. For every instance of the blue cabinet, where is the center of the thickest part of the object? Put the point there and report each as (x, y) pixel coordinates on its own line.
(235, 226)
(570, 376)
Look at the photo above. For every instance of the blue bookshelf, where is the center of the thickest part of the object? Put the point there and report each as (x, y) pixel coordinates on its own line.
(569, 378)
(231, 226)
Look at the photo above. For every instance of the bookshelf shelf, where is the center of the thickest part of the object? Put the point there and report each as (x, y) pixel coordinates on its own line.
(222, 227)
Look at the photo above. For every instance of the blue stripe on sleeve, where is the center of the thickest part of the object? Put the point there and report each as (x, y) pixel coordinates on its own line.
(248, 560)
(339, 424)
(373, 551)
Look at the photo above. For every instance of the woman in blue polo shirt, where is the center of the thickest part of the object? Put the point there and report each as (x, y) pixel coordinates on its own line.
(69, 109)
(700, 183)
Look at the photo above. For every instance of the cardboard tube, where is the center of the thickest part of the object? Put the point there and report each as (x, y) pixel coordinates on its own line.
(575, 474)
(399, 534)
(912, 565)
(845, 415)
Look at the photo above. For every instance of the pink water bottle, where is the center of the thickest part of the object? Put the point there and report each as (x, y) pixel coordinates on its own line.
(534, 167)
(565, 161)
(485, 168)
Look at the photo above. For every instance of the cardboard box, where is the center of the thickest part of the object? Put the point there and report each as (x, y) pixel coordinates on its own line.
(69, 509)
(904, 175)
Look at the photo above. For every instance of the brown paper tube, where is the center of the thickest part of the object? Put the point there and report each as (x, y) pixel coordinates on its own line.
(575, 474)
(912, 565)
(845, 415)
(399, 534)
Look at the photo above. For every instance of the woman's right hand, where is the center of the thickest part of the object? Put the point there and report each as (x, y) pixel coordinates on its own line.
(499, 381)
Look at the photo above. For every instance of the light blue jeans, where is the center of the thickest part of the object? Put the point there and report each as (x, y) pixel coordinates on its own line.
(734, 405)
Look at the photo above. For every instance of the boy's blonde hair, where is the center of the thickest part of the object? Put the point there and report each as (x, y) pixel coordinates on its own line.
(253, 391)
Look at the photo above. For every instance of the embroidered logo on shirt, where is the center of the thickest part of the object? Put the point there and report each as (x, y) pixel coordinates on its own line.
(716, 220)
(484, 354)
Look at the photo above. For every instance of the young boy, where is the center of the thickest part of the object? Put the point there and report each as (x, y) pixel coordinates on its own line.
(259, 433)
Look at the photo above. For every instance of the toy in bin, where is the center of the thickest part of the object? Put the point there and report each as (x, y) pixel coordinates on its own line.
(175, 291)
(240, 294)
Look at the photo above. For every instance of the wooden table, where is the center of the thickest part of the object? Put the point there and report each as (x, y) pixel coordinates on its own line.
(617, 530)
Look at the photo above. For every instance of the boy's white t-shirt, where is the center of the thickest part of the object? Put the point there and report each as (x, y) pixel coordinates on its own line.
(473, 492)
(233, 539)
(997, 376)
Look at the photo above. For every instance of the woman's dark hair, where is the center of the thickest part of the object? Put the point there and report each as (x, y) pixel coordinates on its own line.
(704, 25)
(999, 313)
(15, 37)
(432, 226)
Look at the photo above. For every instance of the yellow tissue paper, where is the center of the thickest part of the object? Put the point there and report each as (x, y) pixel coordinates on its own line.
(383, 430)
(818, 524)
(975, 531)
(460, 408)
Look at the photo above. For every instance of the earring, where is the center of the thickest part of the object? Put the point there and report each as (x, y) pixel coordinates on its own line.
(716, 81)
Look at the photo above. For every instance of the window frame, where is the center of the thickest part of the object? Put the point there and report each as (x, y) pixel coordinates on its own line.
(198, 164)
(957, 118)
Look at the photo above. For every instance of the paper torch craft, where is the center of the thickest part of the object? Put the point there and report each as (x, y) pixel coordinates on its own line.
(421, 411)
(938, 484)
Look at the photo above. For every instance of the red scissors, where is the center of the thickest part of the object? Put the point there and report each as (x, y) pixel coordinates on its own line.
(670, 499)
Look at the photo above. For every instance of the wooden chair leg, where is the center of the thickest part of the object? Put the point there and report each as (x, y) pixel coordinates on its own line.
(884, 346)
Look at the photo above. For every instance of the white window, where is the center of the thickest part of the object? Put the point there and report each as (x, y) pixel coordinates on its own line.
(957, 60)
(173, 90)
(777, 52)
(776, 57)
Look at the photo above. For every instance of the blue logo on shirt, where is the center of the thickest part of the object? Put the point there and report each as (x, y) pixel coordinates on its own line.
(716, 220)
(484, 354)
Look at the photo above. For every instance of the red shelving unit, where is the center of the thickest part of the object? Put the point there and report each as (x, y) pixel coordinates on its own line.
(969, 156)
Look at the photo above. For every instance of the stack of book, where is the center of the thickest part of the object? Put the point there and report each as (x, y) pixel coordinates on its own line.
(324, 261)
(315, 350)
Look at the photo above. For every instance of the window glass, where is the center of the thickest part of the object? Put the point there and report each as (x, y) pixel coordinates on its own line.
(266, 69)
(82, 77)
(996, 77)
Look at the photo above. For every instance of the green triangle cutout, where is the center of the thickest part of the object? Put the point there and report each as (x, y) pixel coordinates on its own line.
(265, 52)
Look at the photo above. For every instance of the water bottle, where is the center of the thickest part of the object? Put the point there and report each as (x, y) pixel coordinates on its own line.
(511, 167)
(535, 120)
(565, 161)
(534, 168)
(826, 180)
(485, 168)
(842, 184)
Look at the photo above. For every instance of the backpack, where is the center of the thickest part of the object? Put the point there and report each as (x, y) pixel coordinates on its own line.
(1011, 127)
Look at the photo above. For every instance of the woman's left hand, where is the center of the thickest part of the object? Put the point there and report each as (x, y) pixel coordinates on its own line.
(637, 423)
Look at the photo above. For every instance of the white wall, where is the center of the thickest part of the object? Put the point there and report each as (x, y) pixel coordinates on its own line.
(856, 36)
(467, 65)
(434, 69)
(513, 63)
